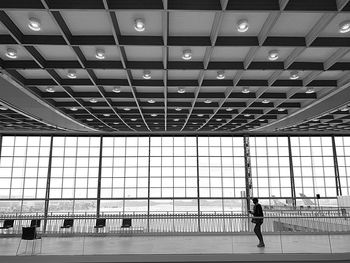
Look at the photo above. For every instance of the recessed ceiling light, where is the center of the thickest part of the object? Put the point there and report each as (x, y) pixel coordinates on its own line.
(154, 115)
(281, 109)
(11, 53)
(151, 101)
(34, 24)
(126, 109)
(93, 100)
(181, 90)
(187, 54)
(156, 123)
(218, 119)
(51, 90)
(89, 119)
(200, 115)
(73, 109)
(310, 90)
(178, 109)
(147, 74)
(176, 119)
(101, 126)
(106, 114)
(115, 123)
(72, 74)
(220, 74)
(116, 90)
(247, 115)
(3, 108)
(245, 90)
(242, 25)
(133, 119)
(138, 125)
(261, 120)
(207, 101)
(229, 109)
(139, 25)
(294, 75)
(273, 55)
(265, 101)
(174, 125)
(344, 27)
(194, 123)
(100, 54)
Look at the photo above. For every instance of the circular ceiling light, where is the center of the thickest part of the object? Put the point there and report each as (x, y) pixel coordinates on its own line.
(245, 90)
(218, 119)
(116, 90)
(89, 119)
(93, 100)
(261, 120)
(200, 115)
(174, 125)
(138, 125)
(310, 90)
(194, 123)
(126, 109)
(181, 90)
(11, 53)
(187, 54)
(242, 25)
(133, 119)
(247, 115)
(220, 74)
(155, 123)
(139, 25)
(281, 109)
(106, 114)
(178, 109)
(294, 75)
(151, 101)
(100, 54)
(74, 109)
(147, 74)
(207, 101)
(116, 123)
(34, 24)
(72, 74)
(229, 109)
(51, 90)
(154, 115)
(265, 101)
(176, 119)
(273, 55)
(344, 27)
(3, 108)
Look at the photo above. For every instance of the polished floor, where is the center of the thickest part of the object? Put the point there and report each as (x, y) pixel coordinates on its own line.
(186, 244)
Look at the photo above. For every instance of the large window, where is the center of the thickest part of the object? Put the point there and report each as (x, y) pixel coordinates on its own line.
(270, 166)
(74, 173)
(23, 171)
(343, 157)
(313, 166)
(167, 174)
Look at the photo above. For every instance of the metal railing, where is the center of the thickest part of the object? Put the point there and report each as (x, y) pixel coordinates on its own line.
(181, 223)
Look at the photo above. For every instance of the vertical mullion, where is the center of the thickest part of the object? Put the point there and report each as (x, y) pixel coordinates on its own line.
(149, 181)
(48, 182)
(291, 171)
(336, 167)
(198, 192)
(98, 205)
(248, 173)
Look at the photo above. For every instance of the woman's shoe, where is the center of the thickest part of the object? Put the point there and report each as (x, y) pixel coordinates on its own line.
(261, 245)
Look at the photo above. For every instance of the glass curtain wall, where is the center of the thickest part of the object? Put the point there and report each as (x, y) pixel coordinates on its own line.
(152, 175)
